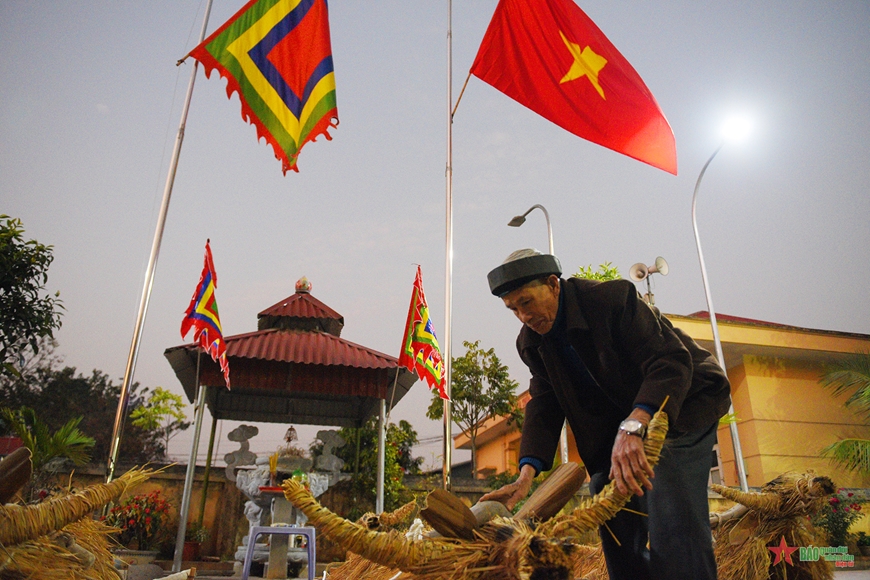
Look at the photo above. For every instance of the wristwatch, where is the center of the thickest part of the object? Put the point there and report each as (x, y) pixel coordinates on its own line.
(633, 427)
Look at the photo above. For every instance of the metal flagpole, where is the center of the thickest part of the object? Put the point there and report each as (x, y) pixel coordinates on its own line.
(382, 453)
(448, 258)
(124, 397)
(188, 476)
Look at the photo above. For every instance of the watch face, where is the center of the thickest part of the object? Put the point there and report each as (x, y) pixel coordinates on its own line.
(632, 426)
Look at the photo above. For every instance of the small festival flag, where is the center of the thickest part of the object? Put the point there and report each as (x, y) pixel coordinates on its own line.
(420, 351)
(549, 56)
(202, 316)
(277, 55)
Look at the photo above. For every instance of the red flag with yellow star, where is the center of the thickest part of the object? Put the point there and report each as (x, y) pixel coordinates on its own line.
(549, 56)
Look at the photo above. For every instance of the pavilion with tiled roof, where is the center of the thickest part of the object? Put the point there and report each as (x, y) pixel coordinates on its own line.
(295, 368)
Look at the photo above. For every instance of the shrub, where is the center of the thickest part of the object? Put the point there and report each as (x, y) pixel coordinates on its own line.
(141, 520)
(837, 516)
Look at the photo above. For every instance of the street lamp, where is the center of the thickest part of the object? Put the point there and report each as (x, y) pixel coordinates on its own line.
(733, 130)
(519, 220)
(516, 222)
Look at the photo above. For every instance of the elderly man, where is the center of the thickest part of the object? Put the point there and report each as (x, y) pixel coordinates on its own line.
(603, 359)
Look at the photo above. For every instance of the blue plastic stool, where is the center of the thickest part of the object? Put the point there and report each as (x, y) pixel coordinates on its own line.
(284, 530)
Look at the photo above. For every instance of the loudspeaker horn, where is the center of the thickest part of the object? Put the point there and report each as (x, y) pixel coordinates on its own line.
(660, 266)
(639, 272)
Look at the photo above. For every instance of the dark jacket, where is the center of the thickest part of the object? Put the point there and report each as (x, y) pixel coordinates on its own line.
(635, 356)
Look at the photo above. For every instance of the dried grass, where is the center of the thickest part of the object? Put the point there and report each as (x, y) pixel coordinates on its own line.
(780, 510)
(503, 549)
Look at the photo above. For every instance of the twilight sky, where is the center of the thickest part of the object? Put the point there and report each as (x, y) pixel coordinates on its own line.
(90, 105)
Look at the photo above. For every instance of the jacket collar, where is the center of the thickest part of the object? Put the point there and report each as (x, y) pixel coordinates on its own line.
(570, 301)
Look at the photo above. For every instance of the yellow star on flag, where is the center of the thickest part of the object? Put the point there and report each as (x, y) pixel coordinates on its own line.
(586, 63)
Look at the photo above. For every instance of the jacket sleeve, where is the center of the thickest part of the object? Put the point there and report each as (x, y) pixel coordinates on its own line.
(664, 362)
(542, 423)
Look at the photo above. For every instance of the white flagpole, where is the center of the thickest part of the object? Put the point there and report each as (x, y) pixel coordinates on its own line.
(124, 397)
(448, 255)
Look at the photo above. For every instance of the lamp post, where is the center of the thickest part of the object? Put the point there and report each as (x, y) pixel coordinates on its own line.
(735, 436)
(516, 222)
(519, 220)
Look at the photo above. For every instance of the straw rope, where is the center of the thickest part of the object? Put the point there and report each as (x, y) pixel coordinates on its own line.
(51, 557)
(22, 523)
(503, 549)
(593, 512)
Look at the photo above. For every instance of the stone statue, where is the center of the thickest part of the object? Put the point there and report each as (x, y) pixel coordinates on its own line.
(327, 461)
(242, 455)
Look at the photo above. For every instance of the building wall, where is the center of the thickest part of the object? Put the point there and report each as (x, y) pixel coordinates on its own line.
(784, 419)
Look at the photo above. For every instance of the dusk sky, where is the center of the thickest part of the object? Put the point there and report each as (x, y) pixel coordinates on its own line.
(90, 105)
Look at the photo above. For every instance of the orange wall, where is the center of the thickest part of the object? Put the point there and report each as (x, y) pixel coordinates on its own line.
(784, 419)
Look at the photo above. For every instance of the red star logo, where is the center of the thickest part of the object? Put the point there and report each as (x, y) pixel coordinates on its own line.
(782, 552)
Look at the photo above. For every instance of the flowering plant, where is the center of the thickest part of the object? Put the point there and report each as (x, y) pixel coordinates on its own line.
(837, 516)
(141, 519)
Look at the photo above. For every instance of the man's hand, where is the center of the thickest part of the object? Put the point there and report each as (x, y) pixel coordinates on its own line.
(511, 493)
(628, 465)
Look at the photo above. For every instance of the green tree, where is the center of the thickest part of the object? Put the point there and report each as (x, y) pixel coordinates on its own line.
(481, 388)
(58, 394)
(163, 413)
(45, 446)
(850, 375)
(26, 313)
(606, 271)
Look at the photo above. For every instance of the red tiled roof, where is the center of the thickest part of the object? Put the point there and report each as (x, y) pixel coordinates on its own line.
(705, 315)
(301, 305)
(305, 347)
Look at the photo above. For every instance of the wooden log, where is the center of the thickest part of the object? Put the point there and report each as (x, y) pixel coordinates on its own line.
(15, 471)
(448, 515)
(552, 495)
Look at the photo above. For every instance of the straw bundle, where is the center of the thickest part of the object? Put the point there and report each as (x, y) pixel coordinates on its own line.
(21, 523)
(52, 557)
(503, 549)
(389, 519)
(593, 512)
(589, 563)
(57, 539)
(780, 510)
(358, 567)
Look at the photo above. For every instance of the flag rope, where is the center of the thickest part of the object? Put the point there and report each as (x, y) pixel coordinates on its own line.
(462, 92)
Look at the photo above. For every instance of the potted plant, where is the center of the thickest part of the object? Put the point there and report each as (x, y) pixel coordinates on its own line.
(141, 521)
(194, 536)
(863, 542)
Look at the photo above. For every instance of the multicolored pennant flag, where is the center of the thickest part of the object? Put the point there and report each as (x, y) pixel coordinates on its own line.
(549, 56)
(276, 54)
(202, 316)
(420, 351)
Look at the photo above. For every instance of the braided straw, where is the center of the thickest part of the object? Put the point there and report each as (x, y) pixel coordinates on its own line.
(389, 519)
(503, 549)
(789, 494)
(389, 548)
(22, 523)
(592, 513)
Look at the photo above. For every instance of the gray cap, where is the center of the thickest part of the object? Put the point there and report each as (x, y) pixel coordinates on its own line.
(520, 268)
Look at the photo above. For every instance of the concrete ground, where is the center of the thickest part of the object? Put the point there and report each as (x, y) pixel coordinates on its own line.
(852, 575)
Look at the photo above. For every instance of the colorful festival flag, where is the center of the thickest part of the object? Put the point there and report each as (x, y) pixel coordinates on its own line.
(549, 56)
(420, 351)
(277, 55)
(202, 316)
